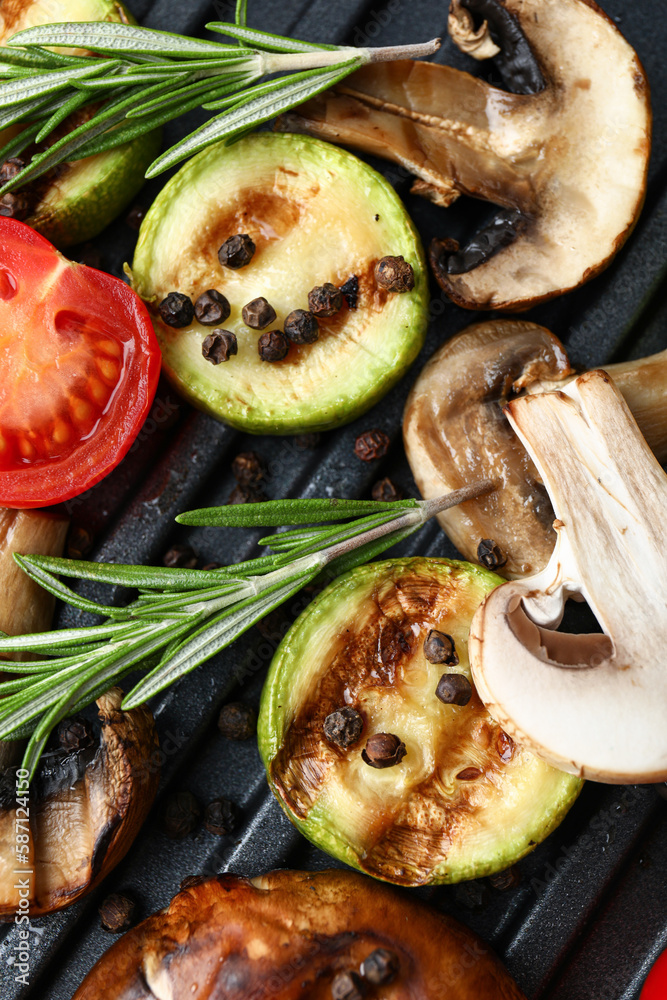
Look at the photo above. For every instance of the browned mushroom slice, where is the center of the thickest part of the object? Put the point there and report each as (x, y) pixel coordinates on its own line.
(455, 431)
(591, 704)
(85, 808)
(296, 934)
(565, 155)
(85, 804)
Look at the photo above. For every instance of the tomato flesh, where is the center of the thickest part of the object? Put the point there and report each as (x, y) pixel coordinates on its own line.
(79, 365)
(655, 987)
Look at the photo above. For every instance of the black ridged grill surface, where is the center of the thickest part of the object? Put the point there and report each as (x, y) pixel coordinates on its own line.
(590, 913)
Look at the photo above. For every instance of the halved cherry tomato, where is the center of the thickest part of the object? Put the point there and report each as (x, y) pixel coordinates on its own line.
(79, 364)
(655, 987)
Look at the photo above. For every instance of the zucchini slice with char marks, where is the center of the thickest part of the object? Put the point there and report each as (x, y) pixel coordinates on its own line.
(317, 216)
(464, 801)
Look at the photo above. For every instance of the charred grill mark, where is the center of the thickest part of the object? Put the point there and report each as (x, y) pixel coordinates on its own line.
(408, 840)
(264, 216)
(10, 16)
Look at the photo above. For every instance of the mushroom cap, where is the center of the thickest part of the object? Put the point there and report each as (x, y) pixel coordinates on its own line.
(287, 934)
(455, 432)
(568, 163)
(593, 705)
(84, 813)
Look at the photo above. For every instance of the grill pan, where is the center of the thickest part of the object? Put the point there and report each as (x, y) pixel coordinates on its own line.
(589, 915)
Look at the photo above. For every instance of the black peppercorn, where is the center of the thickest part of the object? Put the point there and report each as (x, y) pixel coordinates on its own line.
(246, 494)
(301, 327)
(258, 313)
(248, 468)
(394, 274)
(219, 346)
(454, 689)
(237, 721)
(180, 557)
(325, 300)
(237, 251)
(307, 442)
(10, 168)
(440, 648)
(350, 291)
(15, 205)
(381, 967)
(343, 727)
(212, 308)
(383, 750)
(371, 445)
(490, 555)
(387, 491)
(347, 986)
(181, 815)
(177, 310)
(273, 346)
(116, 913)
(75, 734)
(221, 817)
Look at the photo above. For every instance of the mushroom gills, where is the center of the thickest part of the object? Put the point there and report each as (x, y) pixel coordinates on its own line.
(567, 151)
(462, 801)
(591, 705)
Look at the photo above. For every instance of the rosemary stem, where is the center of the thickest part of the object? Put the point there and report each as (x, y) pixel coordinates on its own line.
(387, 53)
(426, 510)
(315, 59)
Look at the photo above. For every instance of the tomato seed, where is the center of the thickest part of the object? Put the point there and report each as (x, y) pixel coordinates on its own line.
(81, 410)
(26, 449)
(98, 391)
(61, 432)
(108, 369)
(110, 347)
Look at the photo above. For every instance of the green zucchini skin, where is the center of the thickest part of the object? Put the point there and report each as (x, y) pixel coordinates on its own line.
(360, 642)
(316, 214)
(83, 197)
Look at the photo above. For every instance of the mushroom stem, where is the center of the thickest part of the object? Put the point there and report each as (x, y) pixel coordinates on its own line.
(24, 605)
(643, 384)
(593, 704)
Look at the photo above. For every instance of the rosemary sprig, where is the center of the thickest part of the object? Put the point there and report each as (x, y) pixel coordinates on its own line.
(182, 617)
(150, 77)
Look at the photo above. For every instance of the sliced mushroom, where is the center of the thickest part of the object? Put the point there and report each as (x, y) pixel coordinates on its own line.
(455, 431)
(565, 155)
(593, 705)
(24, 605)
(297, 934)
(85, 805)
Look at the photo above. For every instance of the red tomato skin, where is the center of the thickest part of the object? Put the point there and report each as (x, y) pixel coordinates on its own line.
(655, 987)
(84, 290)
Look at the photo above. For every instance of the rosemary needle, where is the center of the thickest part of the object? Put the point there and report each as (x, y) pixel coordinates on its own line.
(150, 77)
(182, 617)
